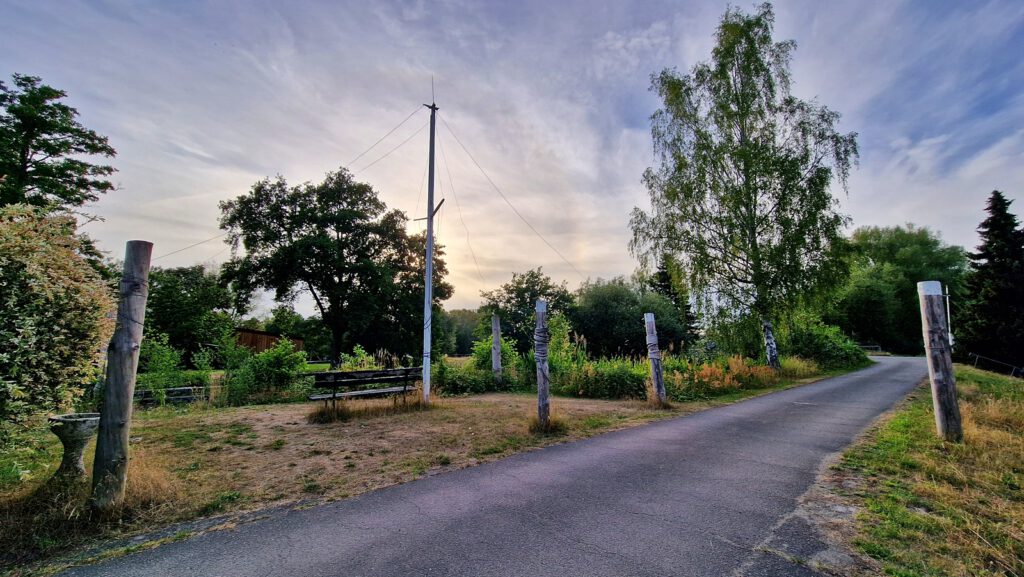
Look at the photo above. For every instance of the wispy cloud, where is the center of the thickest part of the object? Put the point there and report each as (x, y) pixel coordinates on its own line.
(202, 99)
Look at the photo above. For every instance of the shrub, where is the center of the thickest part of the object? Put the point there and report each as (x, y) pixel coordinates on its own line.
(481, 358)
(613, 378)
(53, 309)
(359, 360)
(826, 345)
(797, 368)
(274, 374)
(465, 380)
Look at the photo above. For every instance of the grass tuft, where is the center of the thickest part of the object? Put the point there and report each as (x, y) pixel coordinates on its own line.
(555, 426)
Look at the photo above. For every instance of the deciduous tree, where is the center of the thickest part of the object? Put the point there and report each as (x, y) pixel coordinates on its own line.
(338, 241)
(741, 192)
(515, 302)
(44, 149)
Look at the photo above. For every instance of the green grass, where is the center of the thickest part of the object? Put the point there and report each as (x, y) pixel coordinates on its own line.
(31, 454)
(933, 508)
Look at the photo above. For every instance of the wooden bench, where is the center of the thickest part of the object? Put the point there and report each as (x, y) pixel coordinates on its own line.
(402, 381)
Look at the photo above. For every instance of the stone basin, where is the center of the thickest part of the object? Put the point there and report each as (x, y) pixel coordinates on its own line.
(74, 431)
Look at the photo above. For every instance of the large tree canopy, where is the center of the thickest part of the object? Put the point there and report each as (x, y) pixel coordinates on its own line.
(42, 149)
(609, 315)
(337, 240)
(741, 192)
(190, 305)
(993, 320)
(516, 301)
(879, 303)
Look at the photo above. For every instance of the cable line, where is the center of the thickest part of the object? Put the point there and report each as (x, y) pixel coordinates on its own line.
(361, 154)
(503, 197)
(388, 153)
(223, 234)
(448, 169)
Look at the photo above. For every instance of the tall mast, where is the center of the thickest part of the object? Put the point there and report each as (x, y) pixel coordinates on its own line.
(428, 293)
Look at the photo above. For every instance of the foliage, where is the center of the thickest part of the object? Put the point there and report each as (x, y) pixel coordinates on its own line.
(315, 337)
(481, 359)
(868, 307)
(993, 318)
(53, 314)
(190, 306)
(741, 195)
(267, 376)
(606, 378)
(807, 337)
(891, 261)
(358, 360)
(516, 301)
(466, 379)
(464, 321)
(797, 368)
(42, 149)
(668, 282)
(609, 316)
(337, 241)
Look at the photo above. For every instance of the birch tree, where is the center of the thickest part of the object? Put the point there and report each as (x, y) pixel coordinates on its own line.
(741, 188)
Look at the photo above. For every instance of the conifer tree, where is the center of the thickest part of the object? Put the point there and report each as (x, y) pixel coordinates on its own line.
(992, 322)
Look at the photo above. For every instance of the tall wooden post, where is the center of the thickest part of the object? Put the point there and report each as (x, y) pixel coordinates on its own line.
(428, 274)
(496, 347)
(655, 357)
(940, 361)
(540, 348)
(110, 468)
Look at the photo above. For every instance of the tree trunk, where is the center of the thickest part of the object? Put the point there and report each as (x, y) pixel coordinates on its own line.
(110, 467)
(771, 348)
(541, 337)
(496, 347)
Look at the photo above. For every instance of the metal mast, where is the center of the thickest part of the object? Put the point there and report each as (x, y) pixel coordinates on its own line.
(428, 293)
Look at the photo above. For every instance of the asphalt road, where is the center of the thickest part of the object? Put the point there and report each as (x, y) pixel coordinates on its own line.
(694, 495)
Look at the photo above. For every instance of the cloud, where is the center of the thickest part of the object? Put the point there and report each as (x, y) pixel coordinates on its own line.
(203, 99)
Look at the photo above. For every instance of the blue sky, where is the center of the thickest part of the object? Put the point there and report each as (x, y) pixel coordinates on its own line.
(201, 99)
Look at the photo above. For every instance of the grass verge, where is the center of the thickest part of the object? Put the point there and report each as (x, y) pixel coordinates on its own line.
(931, 508)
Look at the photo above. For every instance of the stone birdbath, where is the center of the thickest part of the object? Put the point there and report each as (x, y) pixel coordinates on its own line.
(74, 431)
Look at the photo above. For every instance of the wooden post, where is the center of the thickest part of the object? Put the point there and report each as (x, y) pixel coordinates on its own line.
(540, 344)
(496, 347)
(655, 356)
(940, 361)
(110, 468)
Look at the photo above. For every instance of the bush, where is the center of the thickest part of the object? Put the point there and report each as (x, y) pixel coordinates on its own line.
(826, 345)
(53, 308)
(613, 378)
(797, 368)
(274, 374)
(465, 380)
(481, 356)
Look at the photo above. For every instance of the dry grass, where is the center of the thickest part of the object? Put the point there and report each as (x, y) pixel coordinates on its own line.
(199, 461)
(48, 516)
(555, 425)
(934, 508)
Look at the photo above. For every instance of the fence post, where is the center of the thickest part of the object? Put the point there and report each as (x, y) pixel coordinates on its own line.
(110, 468)
(540, 344)
(940, 361)
(496, 347)
(654, 355)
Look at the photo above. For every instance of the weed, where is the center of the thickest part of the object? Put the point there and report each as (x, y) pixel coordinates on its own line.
(276, 445)
(220, 502)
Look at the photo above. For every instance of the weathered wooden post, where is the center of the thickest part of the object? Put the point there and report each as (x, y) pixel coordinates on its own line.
(110, 468)
(540, 348)
(940, 361)
(496, 347)
(655, 356)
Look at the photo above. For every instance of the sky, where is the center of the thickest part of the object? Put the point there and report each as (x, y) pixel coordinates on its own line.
(550, 99)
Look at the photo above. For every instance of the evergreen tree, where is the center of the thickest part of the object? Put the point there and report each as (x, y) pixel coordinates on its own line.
(993, 318)
(666, 282)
